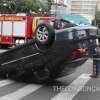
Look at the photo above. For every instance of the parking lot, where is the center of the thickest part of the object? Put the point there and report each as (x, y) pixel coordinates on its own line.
(77, 86)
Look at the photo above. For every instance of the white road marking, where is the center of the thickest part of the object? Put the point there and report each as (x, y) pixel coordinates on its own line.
(75, 87)
(2, 50)
(5, 82)
(20, 93)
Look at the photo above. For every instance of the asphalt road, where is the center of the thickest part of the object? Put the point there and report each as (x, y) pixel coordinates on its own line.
(77, 86)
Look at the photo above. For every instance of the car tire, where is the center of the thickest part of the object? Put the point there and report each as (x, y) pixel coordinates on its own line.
(44, 36)
(41, 75)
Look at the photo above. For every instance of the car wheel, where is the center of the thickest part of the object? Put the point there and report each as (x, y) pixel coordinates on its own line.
(45, 36)
(41, 75)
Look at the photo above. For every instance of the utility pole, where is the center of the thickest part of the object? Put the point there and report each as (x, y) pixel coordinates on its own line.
(56, 9)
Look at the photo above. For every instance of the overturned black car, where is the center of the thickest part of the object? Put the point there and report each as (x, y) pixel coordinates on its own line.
(51, 53)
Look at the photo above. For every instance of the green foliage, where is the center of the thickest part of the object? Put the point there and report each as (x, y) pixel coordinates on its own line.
(96, 21)
(7, 6)
(98, 16)
(24, 6)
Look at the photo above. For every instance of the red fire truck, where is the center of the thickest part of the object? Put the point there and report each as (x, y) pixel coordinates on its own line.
(15, 29)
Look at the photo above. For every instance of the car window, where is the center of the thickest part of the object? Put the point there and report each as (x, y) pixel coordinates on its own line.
(93, 32)
(57, 25)
(79, 34)
(51, 23)
(54, 24)
(65, 24)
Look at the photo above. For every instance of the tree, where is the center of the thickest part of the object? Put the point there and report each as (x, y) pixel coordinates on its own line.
(7, 6)
(98, 18)
(16, 6)
(49, 4)
(23, 5)
(96, 21)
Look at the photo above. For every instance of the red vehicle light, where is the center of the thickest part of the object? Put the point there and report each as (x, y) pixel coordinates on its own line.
(79, 52)
(76, 53)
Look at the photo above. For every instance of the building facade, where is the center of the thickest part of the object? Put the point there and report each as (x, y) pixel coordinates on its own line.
(86, 8)
(98, 5)
(61, 7)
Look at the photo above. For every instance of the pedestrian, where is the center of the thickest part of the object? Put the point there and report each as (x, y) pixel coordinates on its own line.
(95, 52)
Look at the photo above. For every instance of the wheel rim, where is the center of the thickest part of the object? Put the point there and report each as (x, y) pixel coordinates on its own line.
(42, 34)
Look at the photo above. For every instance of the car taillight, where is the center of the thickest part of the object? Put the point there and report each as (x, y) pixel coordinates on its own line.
(76, 53)
(79, 52)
